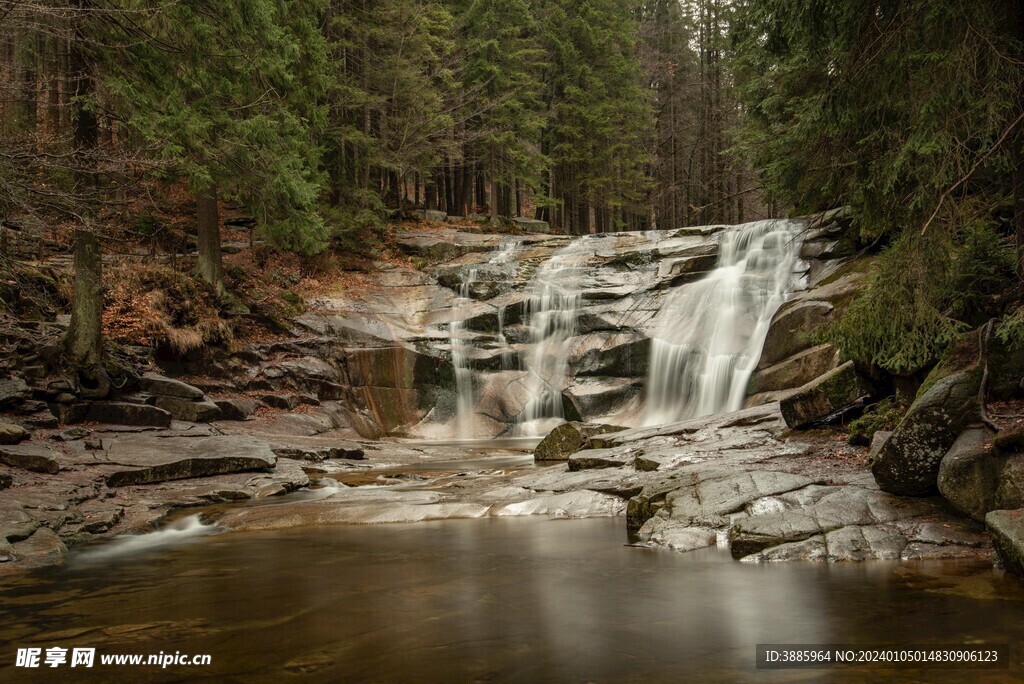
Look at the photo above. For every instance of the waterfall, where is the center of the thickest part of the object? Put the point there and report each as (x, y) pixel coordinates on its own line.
(709, 333)
(551, 312)
(460, 337)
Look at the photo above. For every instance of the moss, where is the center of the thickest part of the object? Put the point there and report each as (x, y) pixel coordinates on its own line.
(885, 415)
(856, 266)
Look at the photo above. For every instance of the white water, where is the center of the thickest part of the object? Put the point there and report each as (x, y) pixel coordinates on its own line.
(709, 333)
(460, 338)
(552, 312)
(180, 531)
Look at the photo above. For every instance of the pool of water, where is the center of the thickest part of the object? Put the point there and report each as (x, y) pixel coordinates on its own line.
(494, 600)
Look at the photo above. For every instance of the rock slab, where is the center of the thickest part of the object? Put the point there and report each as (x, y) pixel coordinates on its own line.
(148, 459)
(27, 457)
(1006, 529)
(823, 397)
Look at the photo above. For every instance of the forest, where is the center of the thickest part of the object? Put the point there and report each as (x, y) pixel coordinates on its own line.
(322, 121)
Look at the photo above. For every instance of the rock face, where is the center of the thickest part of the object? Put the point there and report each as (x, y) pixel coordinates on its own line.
(13, 391)
(1006, 528)
(796, 371)
(977, 477)
(145, 460)
(824, 397)
(567, 439)
(908, 463)
(196, 411)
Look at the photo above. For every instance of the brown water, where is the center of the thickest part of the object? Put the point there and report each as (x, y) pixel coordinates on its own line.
(521, 600)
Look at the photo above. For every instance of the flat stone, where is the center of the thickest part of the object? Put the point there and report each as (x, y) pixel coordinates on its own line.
(340, 450)
(71, 434)
(236, 408)
(592, 459)
(1006, 529)
(157, 459)
(38, 459)
(16, 524)
(202, 411)
(12, 434)
(124, 413)
(824, 397)
(40, 420)
(44, 547)
(154, 383)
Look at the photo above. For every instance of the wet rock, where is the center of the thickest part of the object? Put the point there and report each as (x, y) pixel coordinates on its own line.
(38, 459)
(124, 413)
(567, 439)
(44, 547)
(13, 391)
(908, 463)
(795, 371)
(340, 450)
(12, 434)
(1006, 529)
(977, 478)
(202, 411)
(650, 462)
(824, 397)
(154, 383)
(624, 355)
(818, 510)
(147, 459)
(593, 459)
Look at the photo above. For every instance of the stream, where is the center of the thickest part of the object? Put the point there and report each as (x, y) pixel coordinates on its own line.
(509, 600)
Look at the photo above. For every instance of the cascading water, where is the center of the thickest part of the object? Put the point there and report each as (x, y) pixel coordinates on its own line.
(710, 333)
(460, 336)
(552, 316)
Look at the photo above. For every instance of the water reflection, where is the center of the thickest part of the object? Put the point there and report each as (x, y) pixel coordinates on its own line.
(493, 600)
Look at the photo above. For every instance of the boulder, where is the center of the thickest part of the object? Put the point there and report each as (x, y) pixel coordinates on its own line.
(285, 402)
(202, 411)
(13, 391)
(529, 225)
(12, 434)
(824, 397)
(977, 478)
(431, 215)
(342, 450)
(1006, 529)
(908, 463)
(791, 328)
(568, 438)
(38, 459)
(124, 413)
(6, 481)
(236, 408)
(795, 371)
(878, 440)
(154, 383)
(146, 459)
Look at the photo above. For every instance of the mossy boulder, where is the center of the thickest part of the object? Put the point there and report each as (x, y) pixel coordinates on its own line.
(568, 438)
(977, 477)
(908, 464)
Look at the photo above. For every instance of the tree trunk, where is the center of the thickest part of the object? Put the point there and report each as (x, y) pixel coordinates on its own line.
(1018, 201)
(84, 341)
(210, 267)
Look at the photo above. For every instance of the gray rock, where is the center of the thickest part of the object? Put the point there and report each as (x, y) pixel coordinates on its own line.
(16, 524)
(908, 463)
(13, 391)
(6, 481)
(38, 459)
(12, 434)
(40, 420)
(593, 398)
(124, 413)
(341, 450)
(878, 440)
(44, 547)
(147, 459)
(529, 225)
(824, 397)
(285, 402)
(593, 459)
(71, 434)
(431, 215)
(154, 383)
(202, 411)
(1006, 529)
(977, 478)
(795, 371)
(568, 438)
(791, 328)
(236, 408)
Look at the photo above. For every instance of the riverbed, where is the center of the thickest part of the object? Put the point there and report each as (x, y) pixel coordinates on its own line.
(492, 600)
